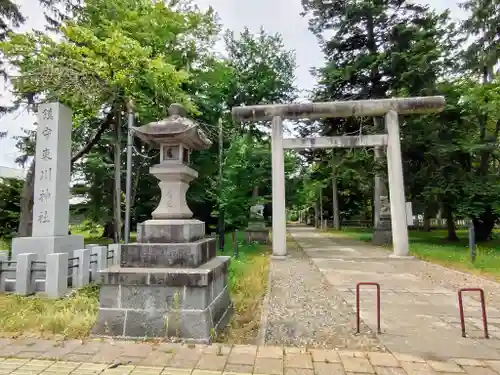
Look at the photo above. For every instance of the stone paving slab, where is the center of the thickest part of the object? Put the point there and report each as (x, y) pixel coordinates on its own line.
(419, 304)
(180, 359)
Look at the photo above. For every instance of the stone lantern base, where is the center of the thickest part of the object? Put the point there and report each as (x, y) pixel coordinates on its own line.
(169, 284)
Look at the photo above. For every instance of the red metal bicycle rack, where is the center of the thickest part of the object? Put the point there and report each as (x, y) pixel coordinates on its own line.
(357, 304)
(483, 310)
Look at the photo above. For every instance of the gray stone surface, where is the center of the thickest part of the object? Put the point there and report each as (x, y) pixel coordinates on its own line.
(110, 322)
(25, 280)
(189, 303)
(82, 275)
(180, 255)
(255, 234)
(146, 323)
(56, 282)
(43, 246)
(200, 276)
(167, 231)
(382, 235)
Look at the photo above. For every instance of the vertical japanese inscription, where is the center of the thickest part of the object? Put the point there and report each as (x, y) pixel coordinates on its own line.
(44, 162)
(169, 197)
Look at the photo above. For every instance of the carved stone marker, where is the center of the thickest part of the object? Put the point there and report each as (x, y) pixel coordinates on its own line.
(51, 193)
(169, 283)
(382, 233)
(257, 230)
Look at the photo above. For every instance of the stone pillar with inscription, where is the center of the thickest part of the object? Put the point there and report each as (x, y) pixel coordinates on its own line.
(169, 283)
(50, 224)
(382, 232)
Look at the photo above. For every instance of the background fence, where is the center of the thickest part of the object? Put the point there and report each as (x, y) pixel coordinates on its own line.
(434, 223)
(58, 273)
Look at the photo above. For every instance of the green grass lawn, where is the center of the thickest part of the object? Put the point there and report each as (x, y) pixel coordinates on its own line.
(434, 247)
(73, 317)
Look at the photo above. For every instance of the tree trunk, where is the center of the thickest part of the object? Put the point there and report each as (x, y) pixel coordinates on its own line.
(450, 225)
(483, 225)
(316, 214)
(109, 230)
(26, 215)
(118, 188)
(427, 220)
(335, 201)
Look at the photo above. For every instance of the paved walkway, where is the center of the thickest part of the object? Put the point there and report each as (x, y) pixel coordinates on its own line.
(419, 307)
(127, 358)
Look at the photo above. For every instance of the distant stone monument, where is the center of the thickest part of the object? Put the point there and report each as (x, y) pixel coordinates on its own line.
(51, 193)
(257, 230)
(382, 233)
(169, 283)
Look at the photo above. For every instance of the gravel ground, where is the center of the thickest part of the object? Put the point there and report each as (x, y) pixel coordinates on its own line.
(303, 309)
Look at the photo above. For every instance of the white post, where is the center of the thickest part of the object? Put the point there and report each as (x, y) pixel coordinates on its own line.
(396, 186)
(56, 282)
(102, 257)
(4, 258)
(114, 250)
(278, 187)
(83, 275)
(25, 281)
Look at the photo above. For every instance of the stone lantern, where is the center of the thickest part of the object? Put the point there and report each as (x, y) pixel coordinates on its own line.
(176, 136)
(169, 283)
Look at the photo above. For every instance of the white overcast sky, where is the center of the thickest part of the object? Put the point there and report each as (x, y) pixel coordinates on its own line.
(276, 16)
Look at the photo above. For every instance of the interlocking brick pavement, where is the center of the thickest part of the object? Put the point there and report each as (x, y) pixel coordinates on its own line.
(129, 358)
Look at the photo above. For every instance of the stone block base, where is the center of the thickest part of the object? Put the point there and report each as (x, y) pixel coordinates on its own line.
(155, 255)
(382, 235)
(259, 235)
(189, 303)
(163, 231)
(42, 246)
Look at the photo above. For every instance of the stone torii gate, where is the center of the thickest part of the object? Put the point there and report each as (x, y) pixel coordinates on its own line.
(390, 108)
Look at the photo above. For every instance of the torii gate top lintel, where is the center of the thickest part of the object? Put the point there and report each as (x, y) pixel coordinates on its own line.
(372, 107)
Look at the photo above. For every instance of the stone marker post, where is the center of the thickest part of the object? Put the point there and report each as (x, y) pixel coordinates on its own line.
(51, 194)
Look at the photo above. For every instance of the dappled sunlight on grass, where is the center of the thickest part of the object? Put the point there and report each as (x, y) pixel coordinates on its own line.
(71, 317)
